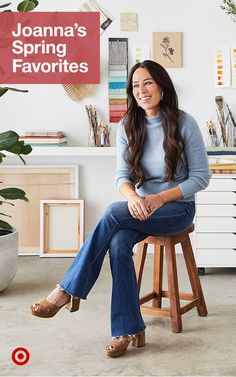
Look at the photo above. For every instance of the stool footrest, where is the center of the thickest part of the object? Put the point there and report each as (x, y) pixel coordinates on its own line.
(166, 294)
(159, 312)
(182, 295)
(166, 311)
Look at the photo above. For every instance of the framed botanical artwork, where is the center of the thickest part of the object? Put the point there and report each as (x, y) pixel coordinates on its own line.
(167, 49)
(61, 227)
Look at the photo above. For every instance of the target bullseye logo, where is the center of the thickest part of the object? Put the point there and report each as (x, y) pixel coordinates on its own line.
(20, 356)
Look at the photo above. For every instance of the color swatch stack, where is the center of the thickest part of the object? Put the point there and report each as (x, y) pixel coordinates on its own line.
(44, 138)
(118, 69)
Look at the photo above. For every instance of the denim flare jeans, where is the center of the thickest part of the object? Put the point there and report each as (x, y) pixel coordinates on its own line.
(117, 232)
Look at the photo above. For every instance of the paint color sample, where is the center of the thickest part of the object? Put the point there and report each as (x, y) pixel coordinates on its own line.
(233, 66)
(222, 66)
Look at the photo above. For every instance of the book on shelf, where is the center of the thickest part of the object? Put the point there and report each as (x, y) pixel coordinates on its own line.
(43, 133)
(43, 140)
(48, 145)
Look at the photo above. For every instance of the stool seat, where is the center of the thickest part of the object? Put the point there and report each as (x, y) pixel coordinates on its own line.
(166, 245)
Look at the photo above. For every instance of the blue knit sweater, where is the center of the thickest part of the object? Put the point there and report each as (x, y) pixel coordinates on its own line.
(192, 174)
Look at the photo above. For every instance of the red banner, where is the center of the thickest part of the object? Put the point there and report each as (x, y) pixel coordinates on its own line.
(49, 48)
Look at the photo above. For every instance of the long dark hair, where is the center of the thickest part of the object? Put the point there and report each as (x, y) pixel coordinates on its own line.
(134, 122)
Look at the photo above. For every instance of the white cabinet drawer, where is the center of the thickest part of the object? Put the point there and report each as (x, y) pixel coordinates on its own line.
(216, 258)
(205, 210)
(207, 197)
(216, 241)
(222, 184)
(216, 224)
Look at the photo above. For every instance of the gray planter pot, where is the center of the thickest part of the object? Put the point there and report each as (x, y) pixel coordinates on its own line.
(8, 258)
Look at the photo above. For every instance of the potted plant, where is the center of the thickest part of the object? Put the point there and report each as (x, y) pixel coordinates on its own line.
(9, 142)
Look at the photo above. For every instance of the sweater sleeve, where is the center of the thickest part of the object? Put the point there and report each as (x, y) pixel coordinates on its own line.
(122, 171)
(196, 157)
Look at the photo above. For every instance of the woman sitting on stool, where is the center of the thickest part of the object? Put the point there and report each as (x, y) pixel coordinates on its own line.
(161, 164)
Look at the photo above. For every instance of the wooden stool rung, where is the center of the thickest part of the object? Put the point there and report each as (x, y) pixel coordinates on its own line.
(189, 306)
(182, 295)
(148, 297)
(159, 312)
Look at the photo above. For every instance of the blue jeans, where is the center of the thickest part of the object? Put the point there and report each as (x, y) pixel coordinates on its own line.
(118, 232)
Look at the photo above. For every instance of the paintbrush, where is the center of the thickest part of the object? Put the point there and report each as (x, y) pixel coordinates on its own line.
(231, 116)
(221, 118)
(220, 105)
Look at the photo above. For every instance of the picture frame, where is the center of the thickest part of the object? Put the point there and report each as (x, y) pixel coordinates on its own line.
(61, 227)
(167, 49)
(39, 182)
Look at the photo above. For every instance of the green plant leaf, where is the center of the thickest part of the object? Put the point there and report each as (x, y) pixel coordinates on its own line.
(5, 225)
(18, 90)
(3, 91)
(12, 193)
(8, 139)
(2, 202)
(3, 214)
(2, 155)
(5, 5)
(20, 148)
(27, 149)
(27, 6)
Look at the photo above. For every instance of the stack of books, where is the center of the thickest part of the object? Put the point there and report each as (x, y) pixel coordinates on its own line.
(44, 138)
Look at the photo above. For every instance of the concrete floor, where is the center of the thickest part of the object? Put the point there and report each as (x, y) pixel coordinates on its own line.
(72, 344)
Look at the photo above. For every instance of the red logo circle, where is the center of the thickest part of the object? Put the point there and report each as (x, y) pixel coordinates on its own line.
(20, 356)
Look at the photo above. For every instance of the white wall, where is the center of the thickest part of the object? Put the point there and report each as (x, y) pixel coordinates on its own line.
(203, 25)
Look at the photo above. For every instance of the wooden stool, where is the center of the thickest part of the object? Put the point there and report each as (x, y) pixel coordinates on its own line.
(175, 311)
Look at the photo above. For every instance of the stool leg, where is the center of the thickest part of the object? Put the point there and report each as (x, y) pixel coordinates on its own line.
(157, 275)
(139, 260)
(172, 276)
(193, 276)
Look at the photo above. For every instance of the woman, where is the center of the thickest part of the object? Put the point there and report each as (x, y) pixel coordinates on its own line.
(161, 164)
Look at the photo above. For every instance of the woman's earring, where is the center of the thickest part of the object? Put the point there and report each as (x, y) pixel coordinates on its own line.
(162, 95)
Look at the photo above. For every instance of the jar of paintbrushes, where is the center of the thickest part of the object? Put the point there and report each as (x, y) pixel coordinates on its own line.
(99, 132)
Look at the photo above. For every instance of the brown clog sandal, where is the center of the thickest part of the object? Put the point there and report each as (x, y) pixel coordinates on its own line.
(46, 309)
(119, 345)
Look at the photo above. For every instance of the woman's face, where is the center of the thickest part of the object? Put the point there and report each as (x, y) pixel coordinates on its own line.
(146, 92)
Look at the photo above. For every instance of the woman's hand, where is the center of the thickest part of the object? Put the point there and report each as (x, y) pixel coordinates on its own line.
(138, 207)
(153, 202)
(142, 207)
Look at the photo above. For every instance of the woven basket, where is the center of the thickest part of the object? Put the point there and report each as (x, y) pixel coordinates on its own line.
(77, 92)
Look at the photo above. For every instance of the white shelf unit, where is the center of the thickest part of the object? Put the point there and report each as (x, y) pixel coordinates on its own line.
(73, 151)
(216, 223)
